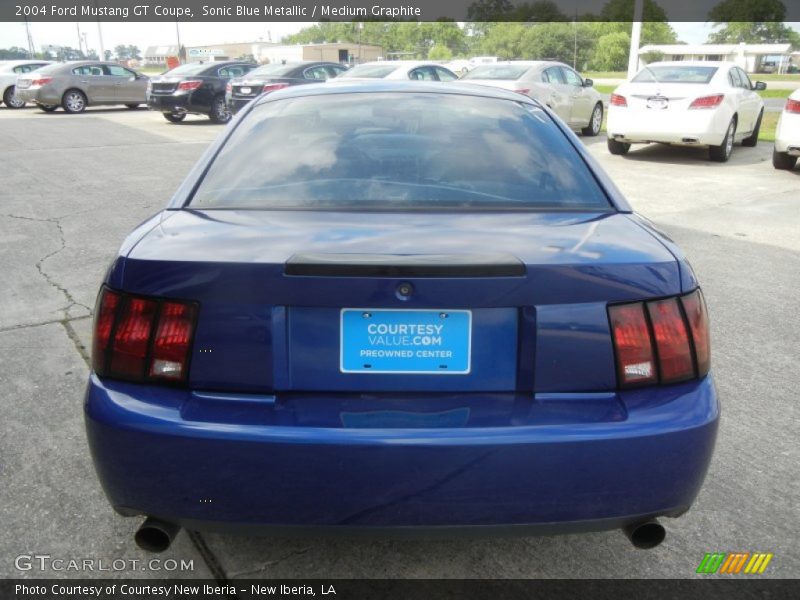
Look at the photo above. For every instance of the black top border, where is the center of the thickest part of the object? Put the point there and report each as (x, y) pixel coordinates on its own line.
(529, 11)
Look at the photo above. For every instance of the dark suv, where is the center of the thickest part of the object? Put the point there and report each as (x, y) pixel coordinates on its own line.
(269, 78)
(197, 88)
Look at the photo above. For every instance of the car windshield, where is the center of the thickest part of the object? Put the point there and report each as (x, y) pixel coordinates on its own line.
(398, 151)
(510, 72)
(675, 74)
(188, 69)
(278, 70)
(371, 71)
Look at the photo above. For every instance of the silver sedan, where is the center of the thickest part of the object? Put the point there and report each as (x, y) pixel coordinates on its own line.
(76, 85)
(555, 84)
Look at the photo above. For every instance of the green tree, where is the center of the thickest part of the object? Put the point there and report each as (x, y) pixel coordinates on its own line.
(611, 53)
(13, 53)
(440, 52)
(751, 21)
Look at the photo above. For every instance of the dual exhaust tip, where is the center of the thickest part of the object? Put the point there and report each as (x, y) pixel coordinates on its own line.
(155, 535)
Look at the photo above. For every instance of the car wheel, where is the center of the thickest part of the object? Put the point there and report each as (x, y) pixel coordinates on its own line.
(596, 122)
(722, 152)
(219, 111)
(783, 161)
(174, 117)
(618, 148)
(74, 101)
(132, 106)
(752, 140)
(11, 99)
(48, 107)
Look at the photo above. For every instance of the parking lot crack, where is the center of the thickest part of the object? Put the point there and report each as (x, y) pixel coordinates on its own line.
(72, 302)
(271, 563)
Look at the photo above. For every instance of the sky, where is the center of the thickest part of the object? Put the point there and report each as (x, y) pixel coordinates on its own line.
(195, 34)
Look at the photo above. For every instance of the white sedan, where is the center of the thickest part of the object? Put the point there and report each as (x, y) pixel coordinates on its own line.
(8, 79)
(692, 103)
(787, 134)
(399, 69)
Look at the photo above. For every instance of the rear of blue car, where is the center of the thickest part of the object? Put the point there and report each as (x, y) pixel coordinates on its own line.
(405, 307)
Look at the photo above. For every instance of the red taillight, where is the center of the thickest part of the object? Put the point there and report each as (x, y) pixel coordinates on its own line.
(662, 341)
(523, 91)
(189, 84)
(142, 339)
(273, 87)
(707, 101)
(172, 340)
(42, 81)
(131, 337)
(634, 347)
(672, 340)
(105, 313)
(617, 100)
(694, 306)
(792, 106)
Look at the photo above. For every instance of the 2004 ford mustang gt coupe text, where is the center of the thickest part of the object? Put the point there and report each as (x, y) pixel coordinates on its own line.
(400, 305)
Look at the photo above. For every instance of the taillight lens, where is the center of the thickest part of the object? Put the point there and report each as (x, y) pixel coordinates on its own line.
(672, 340)
(663, 341)
(523, 91)
(707, 101)
(189, 84)
(273, 87)
(41, 81)
(792, 106)
(142, 339)
(172, 340)
(633, 344)
(694, 305)
(617, 100)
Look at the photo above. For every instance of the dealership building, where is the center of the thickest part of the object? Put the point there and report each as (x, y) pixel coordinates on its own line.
(268, 52)
(753, 58)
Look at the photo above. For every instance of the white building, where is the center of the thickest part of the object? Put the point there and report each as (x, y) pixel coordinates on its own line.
(753, 58)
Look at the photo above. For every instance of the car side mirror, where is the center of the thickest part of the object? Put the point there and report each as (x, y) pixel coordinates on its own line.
(588, 83)
(759, 86)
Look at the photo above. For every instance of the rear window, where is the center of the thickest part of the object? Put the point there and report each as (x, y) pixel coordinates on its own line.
(675, 74)
(398, 151)
(189, 69)
(274, 70)
(371, 71)
(511, 72)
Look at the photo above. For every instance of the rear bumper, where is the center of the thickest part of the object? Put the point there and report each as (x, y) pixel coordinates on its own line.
(42, 95)
(562, 462)
(692, 127)
(178, 103)
(237, 104)
(787, 134)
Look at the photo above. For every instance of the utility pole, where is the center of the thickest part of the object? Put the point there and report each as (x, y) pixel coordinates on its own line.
(178, 35)
(100, 34)
(80, 39)
(575, 41)
(31, 48)
(636, 36)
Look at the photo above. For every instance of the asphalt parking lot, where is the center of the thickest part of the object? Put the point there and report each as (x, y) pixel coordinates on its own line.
(74, 185)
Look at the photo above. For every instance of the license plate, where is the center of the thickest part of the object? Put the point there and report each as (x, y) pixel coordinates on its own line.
(245, 90)
(405, 341)
(657, 103)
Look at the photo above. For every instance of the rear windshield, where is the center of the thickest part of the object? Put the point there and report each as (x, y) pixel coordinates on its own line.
(189, 69)
(398, 151)
(274, 70)
(372, 71)
(675, 74)
(511, 72)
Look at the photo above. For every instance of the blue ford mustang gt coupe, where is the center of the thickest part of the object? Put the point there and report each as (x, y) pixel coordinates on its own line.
(400, 306)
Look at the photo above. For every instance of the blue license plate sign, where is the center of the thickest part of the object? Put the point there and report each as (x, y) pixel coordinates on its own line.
(405, 341)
